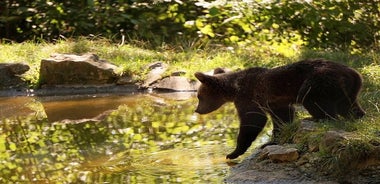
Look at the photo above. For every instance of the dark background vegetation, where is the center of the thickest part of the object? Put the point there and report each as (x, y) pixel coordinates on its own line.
(321, 24)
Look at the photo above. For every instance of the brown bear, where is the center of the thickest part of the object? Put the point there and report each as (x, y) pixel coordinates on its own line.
(326, 89)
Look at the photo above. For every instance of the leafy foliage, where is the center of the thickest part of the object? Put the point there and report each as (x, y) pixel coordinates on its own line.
(318, 23)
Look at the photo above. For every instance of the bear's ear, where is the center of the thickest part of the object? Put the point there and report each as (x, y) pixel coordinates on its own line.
(206, 79)
(219, 70)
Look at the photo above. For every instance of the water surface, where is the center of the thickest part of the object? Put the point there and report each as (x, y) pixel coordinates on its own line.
(137, 138)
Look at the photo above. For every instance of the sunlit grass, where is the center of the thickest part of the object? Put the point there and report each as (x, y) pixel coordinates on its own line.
(133, 59)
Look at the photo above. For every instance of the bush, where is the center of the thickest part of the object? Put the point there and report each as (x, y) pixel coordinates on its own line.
(333, 24)
(320, 24)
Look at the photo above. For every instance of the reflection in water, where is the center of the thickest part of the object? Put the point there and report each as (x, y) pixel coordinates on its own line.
(82, 107)
(141, 139)
(190, 165)
(15, 106)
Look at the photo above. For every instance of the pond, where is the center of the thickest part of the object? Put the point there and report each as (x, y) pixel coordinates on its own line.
(134, 138)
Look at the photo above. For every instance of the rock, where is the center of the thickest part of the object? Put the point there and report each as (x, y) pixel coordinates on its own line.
(303, 135)
(10, 75)
(176, 83)
(71, 70)
(305, 127)
(126, 79)
(278, 153)
(267, 149)
(331, 141)
(155, 73)
(283, 163)
(178, 73)
(313, 144)
(252, 170)
(304, 159)
(372, 160)
(284, 155)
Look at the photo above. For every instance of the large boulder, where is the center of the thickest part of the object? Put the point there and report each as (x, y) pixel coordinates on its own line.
(10, 75)
(74, 70)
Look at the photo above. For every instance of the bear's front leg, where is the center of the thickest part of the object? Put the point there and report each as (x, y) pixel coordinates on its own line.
(251, 124)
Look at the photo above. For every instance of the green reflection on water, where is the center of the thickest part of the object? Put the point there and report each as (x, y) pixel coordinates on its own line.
(143, 139)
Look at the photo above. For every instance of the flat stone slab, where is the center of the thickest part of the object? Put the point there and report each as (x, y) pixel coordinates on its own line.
(279, 153)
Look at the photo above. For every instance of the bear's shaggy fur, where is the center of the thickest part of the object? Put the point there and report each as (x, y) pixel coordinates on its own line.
(326, 89)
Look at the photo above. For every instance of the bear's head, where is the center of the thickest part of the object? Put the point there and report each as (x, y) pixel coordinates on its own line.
(210, 93)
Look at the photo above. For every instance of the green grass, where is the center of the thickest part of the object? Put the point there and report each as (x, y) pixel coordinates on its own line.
(132, 58)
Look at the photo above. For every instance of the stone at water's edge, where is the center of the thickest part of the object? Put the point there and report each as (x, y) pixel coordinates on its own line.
(278, 153)
(176, 83)
(283, 164)
(156, 70)
(10, 75)
(71, 70)
(80, 74)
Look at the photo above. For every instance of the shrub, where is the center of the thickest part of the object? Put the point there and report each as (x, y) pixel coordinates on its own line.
(319, 24)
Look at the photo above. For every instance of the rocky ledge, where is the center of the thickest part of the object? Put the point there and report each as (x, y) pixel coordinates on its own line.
(73, 74)
(312, 157)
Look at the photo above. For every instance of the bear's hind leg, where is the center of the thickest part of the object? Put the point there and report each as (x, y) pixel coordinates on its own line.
(281, 116)
(320, 109)
(320, 95)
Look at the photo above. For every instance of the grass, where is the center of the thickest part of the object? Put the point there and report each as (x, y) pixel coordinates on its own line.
(132, 58)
